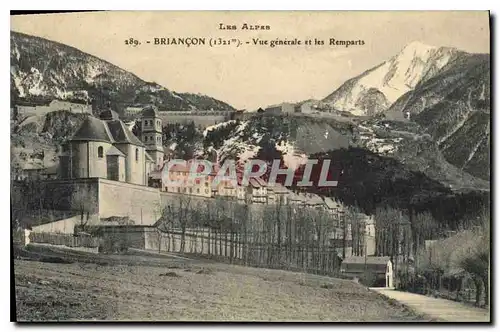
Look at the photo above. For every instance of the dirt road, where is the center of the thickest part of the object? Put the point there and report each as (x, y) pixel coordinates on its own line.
(440, 309)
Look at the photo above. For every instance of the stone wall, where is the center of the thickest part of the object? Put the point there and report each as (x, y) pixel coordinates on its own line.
(199, 120)
(68, 195)
(56, 105)
(100, 197)
(140, 203)
(123, 236)
(65, 226)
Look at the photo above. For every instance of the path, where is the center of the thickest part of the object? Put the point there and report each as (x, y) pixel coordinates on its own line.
(440, 309)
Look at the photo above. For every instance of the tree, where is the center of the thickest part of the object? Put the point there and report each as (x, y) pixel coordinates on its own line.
(183, 216)
(355, 223)
(85, 202)
(164, 224)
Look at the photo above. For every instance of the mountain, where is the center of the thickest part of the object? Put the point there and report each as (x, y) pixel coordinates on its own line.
(42, 70)
(454, 108)
(291, 137)
(375, 90)
(377, 162)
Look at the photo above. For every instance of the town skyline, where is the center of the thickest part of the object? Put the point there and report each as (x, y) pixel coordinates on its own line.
(251, 76)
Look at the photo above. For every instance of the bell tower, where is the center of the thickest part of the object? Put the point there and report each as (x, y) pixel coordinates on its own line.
(151, 134)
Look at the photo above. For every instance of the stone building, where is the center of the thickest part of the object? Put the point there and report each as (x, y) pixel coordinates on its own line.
(55, 105)
(283, 108)
(105, 148)
(151, 129)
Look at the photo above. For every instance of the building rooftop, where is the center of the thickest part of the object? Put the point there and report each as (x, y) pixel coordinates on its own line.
(121, 134)
(278, 188)
(148, 157)
(93, 129)
(50, 170)
(372, 260)
(109, 131)
(113, 151)
(331, 203)
(257, 182)
(150, 111)
(109, 115)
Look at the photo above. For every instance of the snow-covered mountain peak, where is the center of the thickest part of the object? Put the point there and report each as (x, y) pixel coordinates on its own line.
(375, 90)
(417, 49)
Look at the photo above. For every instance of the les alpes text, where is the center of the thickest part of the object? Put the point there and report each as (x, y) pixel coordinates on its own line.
(244, 26)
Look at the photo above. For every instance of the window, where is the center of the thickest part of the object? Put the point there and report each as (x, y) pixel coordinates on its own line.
(136, 154)
(178, 190)
(145, 138)
(100, 152)
(197, 190)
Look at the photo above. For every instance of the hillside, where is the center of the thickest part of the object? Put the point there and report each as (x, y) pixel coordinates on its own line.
(454, 108)
(42, 70)
(162, 287)
(375, 90)
(35, 140)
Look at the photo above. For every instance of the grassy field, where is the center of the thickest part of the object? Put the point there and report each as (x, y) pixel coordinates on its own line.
(142, 287)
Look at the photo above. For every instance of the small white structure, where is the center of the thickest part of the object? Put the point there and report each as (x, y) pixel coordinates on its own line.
(389, 275)
(380, 267)
(27, 233)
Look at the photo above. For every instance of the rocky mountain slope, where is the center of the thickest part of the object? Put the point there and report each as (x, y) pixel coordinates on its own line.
(454, 108)
(295, 139)
(42, 70)
(35, 140)
(378, 88)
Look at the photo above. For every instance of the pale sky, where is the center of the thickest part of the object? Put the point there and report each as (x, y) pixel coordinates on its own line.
(252, 76)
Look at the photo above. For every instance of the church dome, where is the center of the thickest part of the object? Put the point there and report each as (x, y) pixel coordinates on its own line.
(93, 129)
(150, 111)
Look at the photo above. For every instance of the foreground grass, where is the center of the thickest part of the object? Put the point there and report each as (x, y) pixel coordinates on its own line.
(190, 291)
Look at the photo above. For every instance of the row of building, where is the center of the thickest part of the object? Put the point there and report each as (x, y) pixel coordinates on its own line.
(105, 148)
(306, 107)
(24, 110)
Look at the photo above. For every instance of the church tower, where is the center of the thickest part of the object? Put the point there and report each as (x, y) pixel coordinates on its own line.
(151, 134)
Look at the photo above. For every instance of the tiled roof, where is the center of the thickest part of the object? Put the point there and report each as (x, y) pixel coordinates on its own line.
(257, 182)
(109, 115)
(148, 157)
(294, 197)
(150, 111)
(313, 199)
(156, 175)
(330, 203)
(278, 189)
(121, 134)
(372, 260)
(93, 129)
(113, 151)
(110, 131)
